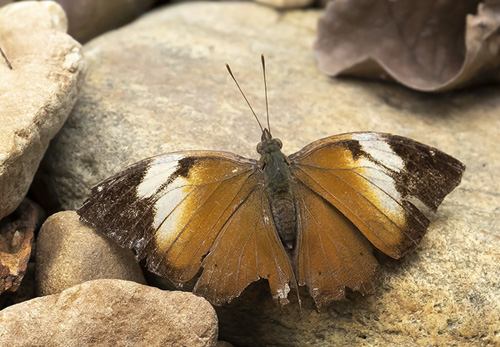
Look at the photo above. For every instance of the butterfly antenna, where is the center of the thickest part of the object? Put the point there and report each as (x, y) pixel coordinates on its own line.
(6, 60)
(241, 91)
(265, 88)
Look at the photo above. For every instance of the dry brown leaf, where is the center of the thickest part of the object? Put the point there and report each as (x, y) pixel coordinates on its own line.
(16, 239)
(426, 45)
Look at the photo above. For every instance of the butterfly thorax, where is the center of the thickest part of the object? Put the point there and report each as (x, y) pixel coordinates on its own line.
(277, 177)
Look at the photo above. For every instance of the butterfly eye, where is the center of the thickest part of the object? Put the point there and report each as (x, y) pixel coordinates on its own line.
(278, 141)
(259, 148)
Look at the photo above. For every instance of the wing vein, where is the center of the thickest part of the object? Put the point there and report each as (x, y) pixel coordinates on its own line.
(194, 213)
(369, 181)
(333, 242)
(350, 210)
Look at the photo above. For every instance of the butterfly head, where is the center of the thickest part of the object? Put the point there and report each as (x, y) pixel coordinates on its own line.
(268, 144)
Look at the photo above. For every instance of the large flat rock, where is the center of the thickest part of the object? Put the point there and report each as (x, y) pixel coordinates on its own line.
(160, 85)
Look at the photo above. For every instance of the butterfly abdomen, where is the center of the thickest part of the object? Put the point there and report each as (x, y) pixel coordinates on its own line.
(278, 187)
(284, 218)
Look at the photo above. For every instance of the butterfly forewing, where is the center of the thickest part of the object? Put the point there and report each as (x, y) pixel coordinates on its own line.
(371, 178)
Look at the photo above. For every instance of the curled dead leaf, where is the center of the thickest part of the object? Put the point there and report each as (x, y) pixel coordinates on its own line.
(16, 240)
(425, 45)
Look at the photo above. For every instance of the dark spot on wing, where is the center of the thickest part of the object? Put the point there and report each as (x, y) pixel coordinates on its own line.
(357, 152)
(185, 164)
(355, 148)
(183, 167)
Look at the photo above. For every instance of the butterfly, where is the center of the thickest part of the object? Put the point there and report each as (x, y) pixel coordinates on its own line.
(312, 218)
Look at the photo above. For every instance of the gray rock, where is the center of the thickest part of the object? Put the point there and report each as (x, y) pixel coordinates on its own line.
(37, 94)
(110, 313)
(69, 253)
(159, 85)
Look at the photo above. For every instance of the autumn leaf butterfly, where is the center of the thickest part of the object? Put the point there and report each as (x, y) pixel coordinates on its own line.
(311, 218)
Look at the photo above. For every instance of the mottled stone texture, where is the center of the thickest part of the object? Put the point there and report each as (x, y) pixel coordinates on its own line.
(160, 85)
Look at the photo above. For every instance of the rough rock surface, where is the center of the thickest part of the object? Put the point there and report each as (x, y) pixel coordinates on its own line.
(160, 85)
(69, 253)
(37, 94)
(110, 313)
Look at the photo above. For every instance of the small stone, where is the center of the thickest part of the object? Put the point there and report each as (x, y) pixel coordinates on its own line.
(69, 253)
(16, 240)
(36, 94)
(110, 313)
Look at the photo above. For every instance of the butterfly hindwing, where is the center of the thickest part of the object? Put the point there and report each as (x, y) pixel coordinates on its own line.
(247, 248)
(332, 254)
(174, 209)
(374, 179)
